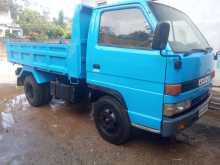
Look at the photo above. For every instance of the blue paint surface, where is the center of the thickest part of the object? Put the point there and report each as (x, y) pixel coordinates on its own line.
(138, 75)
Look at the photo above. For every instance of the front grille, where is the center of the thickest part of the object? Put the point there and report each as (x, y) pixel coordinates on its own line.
(199, 100)
(190, 85)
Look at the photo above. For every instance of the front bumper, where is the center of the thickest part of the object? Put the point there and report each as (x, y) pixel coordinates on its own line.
(171, 126)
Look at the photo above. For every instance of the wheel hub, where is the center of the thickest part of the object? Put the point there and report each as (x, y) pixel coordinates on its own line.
(109, 121)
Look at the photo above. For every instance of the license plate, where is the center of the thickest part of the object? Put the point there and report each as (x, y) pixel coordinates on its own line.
(204, 80)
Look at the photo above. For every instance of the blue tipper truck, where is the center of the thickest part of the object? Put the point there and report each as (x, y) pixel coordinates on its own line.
(141, 64)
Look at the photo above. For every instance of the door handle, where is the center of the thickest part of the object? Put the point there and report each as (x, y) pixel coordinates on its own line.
(96, 66)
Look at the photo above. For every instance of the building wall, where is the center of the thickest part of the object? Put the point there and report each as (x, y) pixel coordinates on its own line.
(5, 18)
(11, 29)
(2, 31)
(6, 24)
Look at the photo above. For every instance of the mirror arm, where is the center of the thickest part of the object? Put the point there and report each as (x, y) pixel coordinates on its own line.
(216, 55)
(164, 55)
(178, 63)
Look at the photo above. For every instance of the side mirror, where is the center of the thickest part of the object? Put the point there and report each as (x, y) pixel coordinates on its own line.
(216, 55)
(161, 36)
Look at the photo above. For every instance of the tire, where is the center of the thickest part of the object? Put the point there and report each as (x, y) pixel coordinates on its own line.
(112, 121)
(37, 95)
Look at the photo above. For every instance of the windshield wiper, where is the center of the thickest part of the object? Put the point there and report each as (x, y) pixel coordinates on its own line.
(196, 50)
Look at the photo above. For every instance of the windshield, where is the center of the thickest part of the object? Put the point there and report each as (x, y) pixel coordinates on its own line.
(184, 35)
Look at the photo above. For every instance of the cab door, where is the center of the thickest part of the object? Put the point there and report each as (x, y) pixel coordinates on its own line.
(120, 58)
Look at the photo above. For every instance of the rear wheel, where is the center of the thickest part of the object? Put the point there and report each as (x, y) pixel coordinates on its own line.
(36, 94)
(112, 120)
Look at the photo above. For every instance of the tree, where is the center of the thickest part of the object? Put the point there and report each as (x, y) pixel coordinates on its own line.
(10, 35)
(32, 21)
(14, 9)
(61, 19)
(56, 31)
(37, 28)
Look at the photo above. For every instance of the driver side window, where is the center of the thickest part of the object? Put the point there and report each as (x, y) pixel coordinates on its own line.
(125, 28)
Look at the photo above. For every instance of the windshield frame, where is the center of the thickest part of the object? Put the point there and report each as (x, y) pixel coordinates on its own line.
(150, 4)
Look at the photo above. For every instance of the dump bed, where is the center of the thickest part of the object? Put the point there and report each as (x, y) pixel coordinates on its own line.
(63, 59)
(49, 57)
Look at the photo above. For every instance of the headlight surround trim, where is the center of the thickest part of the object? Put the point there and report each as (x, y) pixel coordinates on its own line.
(174, 109)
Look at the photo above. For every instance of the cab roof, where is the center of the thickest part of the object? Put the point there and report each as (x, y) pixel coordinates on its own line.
(121, 2)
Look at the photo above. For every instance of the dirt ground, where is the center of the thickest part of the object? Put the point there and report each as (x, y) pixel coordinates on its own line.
(62, 134)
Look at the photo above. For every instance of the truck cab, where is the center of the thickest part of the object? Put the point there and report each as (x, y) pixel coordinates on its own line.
(144, 65)
(164, 90)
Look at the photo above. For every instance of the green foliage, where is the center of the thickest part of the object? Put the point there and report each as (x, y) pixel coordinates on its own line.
(55, 31)
(68, 36)
(35, 26)
(38, 28)
(38, 37)
(10, 35)
(32, 22)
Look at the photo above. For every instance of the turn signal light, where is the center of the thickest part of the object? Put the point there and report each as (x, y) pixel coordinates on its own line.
(173, 90)
(181, 126)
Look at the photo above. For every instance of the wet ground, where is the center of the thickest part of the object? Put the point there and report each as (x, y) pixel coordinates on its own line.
(62, 134)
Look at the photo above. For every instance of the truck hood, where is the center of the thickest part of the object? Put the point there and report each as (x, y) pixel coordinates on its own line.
(195, 66)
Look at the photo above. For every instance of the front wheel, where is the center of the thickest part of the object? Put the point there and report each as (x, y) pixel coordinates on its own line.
(112, 120)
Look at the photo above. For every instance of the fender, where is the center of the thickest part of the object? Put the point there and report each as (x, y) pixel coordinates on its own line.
(40, 76)
(117, 95)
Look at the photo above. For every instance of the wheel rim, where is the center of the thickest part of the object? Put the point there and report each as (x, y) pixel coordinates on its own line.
(108, 121)
(29, 91)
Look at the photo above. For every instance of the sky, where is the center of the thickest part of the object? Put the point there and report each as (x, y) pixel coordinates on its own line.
(55, 6)
(205, 13)
(194, 7)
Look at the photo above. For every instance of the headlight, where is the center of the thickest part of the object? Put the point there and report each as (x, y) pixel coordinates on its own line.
(173, 109)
